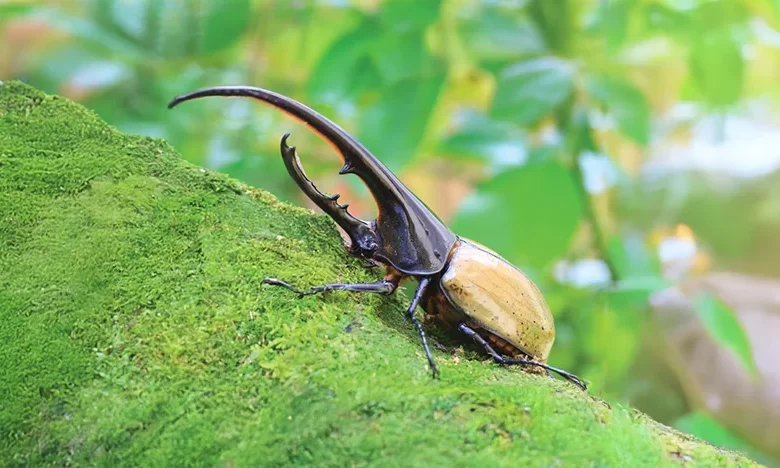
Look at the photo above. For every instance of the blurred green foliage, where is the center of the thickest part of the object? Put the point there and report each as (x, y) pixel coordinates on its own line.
(500, 99)
(724, 327)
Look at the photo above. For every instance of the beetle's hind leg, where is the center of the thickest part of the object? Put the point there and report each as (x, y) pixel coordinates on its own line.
(509, 362)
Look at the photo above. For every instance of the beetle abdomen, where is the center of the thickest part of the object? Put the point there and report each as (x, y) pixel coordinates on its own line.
(499, 298)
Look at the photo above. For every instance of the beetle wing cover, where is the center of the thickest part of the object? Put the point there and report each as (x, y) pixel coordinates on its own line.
(500, 299)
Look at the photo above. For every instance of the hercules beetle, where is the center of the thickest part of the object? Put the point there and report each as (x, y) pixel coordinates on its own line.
(461, 284)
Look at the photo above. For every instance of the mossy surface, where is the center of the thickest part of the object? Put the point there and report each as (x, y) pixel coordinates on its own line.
(134, 330)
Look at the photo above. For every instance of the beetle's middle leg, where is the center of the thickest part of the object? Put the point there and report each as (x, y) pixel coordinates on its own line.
(418, 294)
(505, 361)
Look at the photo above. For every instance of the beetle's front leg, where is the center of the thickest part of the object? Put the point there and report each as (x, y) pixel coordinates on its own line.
(380, 287)
(509, 362)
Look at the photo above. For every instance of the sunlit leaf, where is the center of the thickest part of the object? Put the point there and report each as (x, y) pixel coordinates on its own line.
(493, 34)
(632, 258)
(394, 126)
(90, 33)
(527, 214)
(715, 16)
(400, 56)
(201, 28)
(556, 21)
(718, 68)
(223, 23)
(722, 324)
(405, 15)
(612, 20)
(170, 28)
(664, 19)
(9, 10)
(334, 76)
(530, 90)
(501, 144)
(625, 103)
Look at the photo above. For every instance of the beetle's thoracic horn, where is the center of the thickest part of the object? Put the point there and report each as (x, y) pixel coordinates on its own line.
(409, 236)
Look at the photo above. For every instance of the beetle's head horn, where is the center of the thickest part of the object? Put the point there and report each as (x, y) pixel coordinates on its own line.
(406, 233)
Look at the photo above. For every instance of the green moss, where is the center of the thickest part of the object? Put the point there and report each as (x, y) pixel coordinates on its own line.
(134, 330)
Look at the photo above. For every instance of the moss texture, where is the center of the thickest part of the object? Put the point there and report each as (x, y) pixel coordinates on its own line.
(134, 330)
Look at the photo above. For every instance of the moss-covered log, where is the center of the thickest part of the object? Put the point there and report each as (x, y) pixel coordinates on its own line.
(134, 330)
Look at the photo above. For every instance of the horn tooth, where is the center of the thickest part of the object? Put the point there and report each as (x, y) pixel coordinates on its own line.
(346, 169)
(285, 146)
(335, 197)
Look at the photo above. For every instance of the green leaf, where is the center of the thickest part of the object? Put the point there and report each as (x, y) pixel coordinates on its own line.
(195, 28)
(500, 144)
(406, 15)
(223, 23)
(342, 65)
(170, 28)
(393, 128)
(156, 28)
(638, 271)
(664, 19)
(401, 56)
(557, 21)
(528, 215)
(625, 103)
(492, 34)
(722, 324)
(91, 33)
(612, 20)
(9, 10)
(632, 258)
(717, 68)
(530, 90)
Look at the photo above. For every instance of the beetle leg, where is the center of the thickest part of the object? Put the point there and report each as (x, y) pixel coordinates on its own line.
(361, 236)
(380, 287)
(566, 375)
(508, 362)
(468, 331)
(418, 294)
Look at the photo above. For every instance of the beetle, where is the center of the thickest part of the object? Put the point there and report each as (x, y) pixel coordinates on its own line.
(461, 284)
